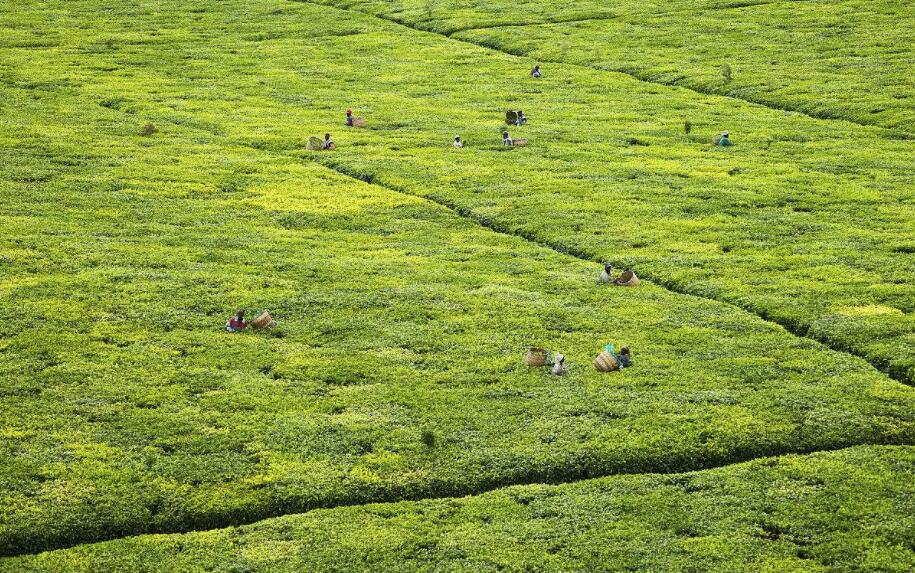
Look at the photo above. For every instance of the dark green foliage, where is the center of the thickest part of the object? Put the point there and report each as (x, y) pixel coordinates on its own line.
(841, 511)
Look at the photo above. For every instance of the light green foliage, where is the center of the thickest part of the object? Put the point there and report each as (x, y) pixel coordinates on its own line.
(805, 222)
(847, 59)
(396, 372)
(850, 59)
(131, 410)
(841, 511)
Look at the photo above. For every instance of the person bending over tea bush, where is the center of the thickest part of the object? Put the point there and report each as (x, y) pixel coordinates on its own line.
(237, 323)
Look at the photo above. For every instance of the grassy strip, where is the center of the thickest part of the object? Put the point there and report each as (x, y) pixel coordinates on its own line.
(805, 222)
(842, 511)
(127, 410)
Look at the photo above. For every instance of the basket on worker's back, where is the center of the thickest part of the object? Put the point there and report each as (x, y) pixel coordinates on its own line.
(511, 117)
(519, 142)
(315, 144)
(263, 320)
(606, 362)
(628, 278)
(359, 122)
(537, 356)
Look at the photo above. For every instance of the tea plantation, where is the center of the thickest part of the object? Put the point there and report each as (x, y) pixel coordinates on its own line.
(155, 177)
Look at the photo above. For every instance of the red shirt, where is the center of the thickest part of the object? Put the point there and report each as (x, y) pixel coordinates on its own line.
(237, 323)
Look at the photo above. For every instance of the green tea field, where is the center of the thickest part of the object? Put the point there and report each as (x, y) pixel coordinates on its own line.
(157, 174)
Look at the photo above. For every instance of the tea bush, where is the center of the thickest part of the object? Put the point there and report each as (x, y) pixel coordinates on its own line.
(127, 409)
(822, 512)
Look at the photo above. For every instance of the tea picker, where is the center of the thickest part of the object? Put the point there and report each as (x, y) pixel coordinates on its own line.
(237, 323)
(354, 121)
(516, 118)
(543, 357)
(457, 142)
(608, 360)
(606, 275)
(723, 140)
(559, 365)
(535, 73)
(626, 278)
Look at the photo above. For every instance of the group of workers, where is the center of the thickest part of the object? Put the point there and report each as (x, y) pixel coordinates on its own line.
(518, 118)
(237, 323)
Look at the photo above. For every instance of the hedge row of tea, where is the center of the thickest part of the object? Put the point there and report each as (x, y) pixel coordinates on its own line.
(845, 59)
(805, 222)
(397, 368)
(842, 511)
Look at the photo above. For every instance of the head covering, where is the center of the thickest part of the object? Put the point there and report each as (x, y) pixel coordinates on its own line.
(725, 134)
(349, 111)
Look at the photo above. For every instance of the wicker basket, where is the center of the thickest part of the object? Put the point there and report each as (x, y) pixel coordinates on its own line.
(536, 357)
(359, 122)
(263, 320)
(606, 362)
(519, 142)
(315, 144)
(511, 117)
(628, 278)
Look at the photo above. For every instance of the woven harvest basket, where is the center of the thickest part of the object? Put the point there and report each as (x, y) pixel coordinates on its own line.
(606, 362)
(628, 278)
(511, 117)
(519, 142)
(263, 320)
(536, 357)
(314, 144)
(359, 122)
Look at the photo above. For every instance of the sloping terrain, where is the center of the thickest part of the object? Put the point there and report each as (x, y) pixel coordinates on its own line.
(840, 59)
(154, 178)
(807, 223)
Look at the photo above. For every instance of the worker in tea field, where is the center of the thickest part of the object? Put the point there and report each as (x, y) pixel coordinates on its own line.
(606, 275)
(237, 323)
(328, 142)
(349, 118)
(624, 357)
(520, 119)
(506, 139)
(559, 365)
(457, 142)
(724, 140)
(535, 73)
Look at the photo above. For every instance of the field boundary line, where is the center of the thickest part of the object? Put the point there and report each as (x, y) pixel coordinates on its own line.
(576, 20)
(644, 77)
(579, 475)
(799, 330)
(468, 213)
(469, 493)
